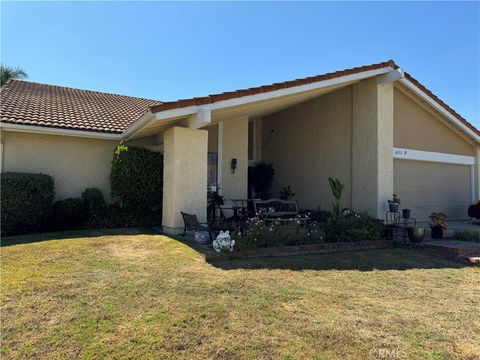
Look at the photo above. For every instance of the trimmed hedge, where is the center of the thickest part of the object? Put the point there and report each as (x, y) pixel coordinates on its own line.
(136, 178)
(69, 214)
(27, 201)
(95, 203)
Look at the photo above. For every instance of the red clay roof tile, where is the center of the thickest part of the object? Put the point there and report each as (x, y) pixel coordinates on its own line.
(30, 103)
(36, 104)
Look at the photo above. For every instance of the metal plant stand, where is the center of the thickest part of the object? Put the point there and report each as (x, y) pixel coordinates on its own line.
(391, 218)
(402, 226)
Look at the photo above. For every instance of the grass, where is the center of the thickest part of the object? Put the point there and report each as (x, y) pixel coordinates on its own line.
(468, 235)
(133, 294)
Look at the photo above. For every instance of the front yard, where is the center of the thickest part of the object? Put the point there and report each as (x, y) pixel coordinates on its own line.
(132, 294)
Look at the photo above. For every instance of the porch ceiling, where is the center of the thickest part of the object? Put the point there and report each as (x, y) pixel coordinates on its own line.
(252, 109)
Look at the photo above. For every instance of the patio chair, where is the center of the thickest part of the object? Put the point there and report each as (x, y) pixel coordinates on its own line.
(191, 222)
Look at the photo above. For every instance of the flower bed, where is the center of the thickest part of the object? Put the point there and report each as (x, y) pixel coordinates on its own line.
(308, 249)
(347, 226)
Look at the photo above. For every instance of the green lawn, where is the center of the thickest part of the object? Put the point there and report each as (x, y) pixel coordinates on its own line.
(132, 294)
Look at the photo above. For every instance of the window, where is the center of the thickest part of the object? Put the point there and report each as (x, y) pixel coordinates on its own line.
(212, 171)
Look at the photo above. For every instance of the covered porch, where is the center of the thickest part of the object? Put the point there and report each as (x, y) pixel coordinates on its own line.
(342, 129)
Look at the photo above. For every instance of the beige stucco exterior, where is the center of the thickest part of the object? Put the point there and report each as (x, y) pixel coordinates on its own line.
(75, 163)
(154, 143)
(184, 176)
(308, 143)
(426, 187)
(419, 129)
(235, 146)
(372, 163)
(348, 133)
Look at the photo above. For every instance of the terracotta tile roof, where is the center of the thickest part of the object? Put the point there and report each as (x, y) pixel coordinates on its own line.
(266, 88)
(29, 103)
(277, 86)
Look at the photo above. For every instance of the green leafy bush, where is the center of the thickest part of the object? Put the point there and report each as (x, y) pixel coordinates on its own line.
(262, 234)
(136, 177)
(95, 206)
(350, 226)
(468, 235)
(69, 214)
(319, 215)
(26, 202)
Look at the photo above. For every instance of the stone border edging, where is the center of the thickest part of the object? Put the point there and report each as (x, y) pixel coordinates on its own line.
(310, 249)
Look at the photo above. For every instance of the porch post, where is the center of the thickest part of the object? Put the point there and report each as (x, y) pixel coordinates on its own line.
(476, 175)
(184, 176)
(372, 145)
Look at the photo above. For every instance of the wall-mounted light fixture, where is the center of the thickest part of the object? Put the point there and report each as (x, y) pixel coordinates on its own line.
(233, 165)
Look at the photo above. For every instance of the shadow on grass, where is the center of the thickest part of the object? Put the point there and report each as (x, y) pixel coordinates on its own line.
(360, 260)
(72, 234)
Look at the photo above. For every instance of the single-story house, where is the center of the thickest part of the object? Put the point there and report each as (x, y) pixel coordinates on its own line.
(374, 127)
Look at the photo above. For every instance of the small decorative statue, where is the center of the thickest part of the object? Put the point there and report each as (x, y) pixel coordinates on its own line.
(223, 242)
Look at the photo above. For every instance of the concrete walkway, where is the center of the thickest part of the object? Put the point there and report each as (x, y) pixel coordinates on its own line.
(464, 251)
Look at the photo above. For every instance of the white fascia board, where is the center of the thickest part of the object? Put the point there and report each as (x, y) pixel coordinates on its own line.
(420, 155)
(189, 110)
(144, 120)
(56, 131)
(439, 108)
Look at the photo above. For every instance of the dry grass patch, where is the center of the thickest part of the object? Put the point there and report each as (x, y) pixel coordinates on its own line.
(133, 294)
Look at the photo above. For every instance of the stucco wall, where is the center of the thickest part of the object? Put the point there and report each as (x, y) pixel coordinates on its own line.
(184, 176)
(372, 163)
(235, 146)
(154, 143)
(417, 128)
(309, 143)
(75, 163)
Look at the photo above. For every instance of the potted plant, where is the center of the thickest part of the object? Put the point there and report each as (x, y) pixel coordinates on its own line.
(438, 224)
(416, 234)
(394, 203)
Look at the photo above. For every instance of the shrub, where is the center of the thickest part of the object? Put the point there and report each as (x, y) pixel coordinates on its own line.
(69, 214)
(468, 235)
(319, 215)
(260, 234)
(26, 202)
(95, 206)
(350, 226)
(136, 177)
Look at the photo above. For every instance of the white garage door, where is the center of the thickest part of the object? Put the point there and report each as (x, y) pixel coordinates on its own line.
(427, 187)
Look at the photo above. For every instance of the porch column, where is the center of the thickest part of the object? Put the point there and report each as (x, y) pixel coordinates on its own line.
(372, 145)
(476, 175)
(235, 146)
(184, 176)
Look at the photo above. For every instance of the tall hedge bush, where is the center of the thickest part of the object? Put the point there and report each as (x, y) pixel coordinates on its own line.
(136, 178)
(27, 201)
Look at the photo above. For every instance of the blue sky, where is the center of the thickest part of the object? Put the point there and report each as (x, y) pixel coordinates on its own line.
(169, 51)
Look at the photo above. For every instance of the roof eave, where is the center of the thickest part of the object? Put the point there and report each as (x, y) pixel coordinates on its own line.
(45, 130)
(189, 110)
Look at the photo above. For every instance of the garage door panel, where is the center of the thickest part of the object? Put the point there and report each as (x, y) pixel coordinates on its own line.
(426, 187)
